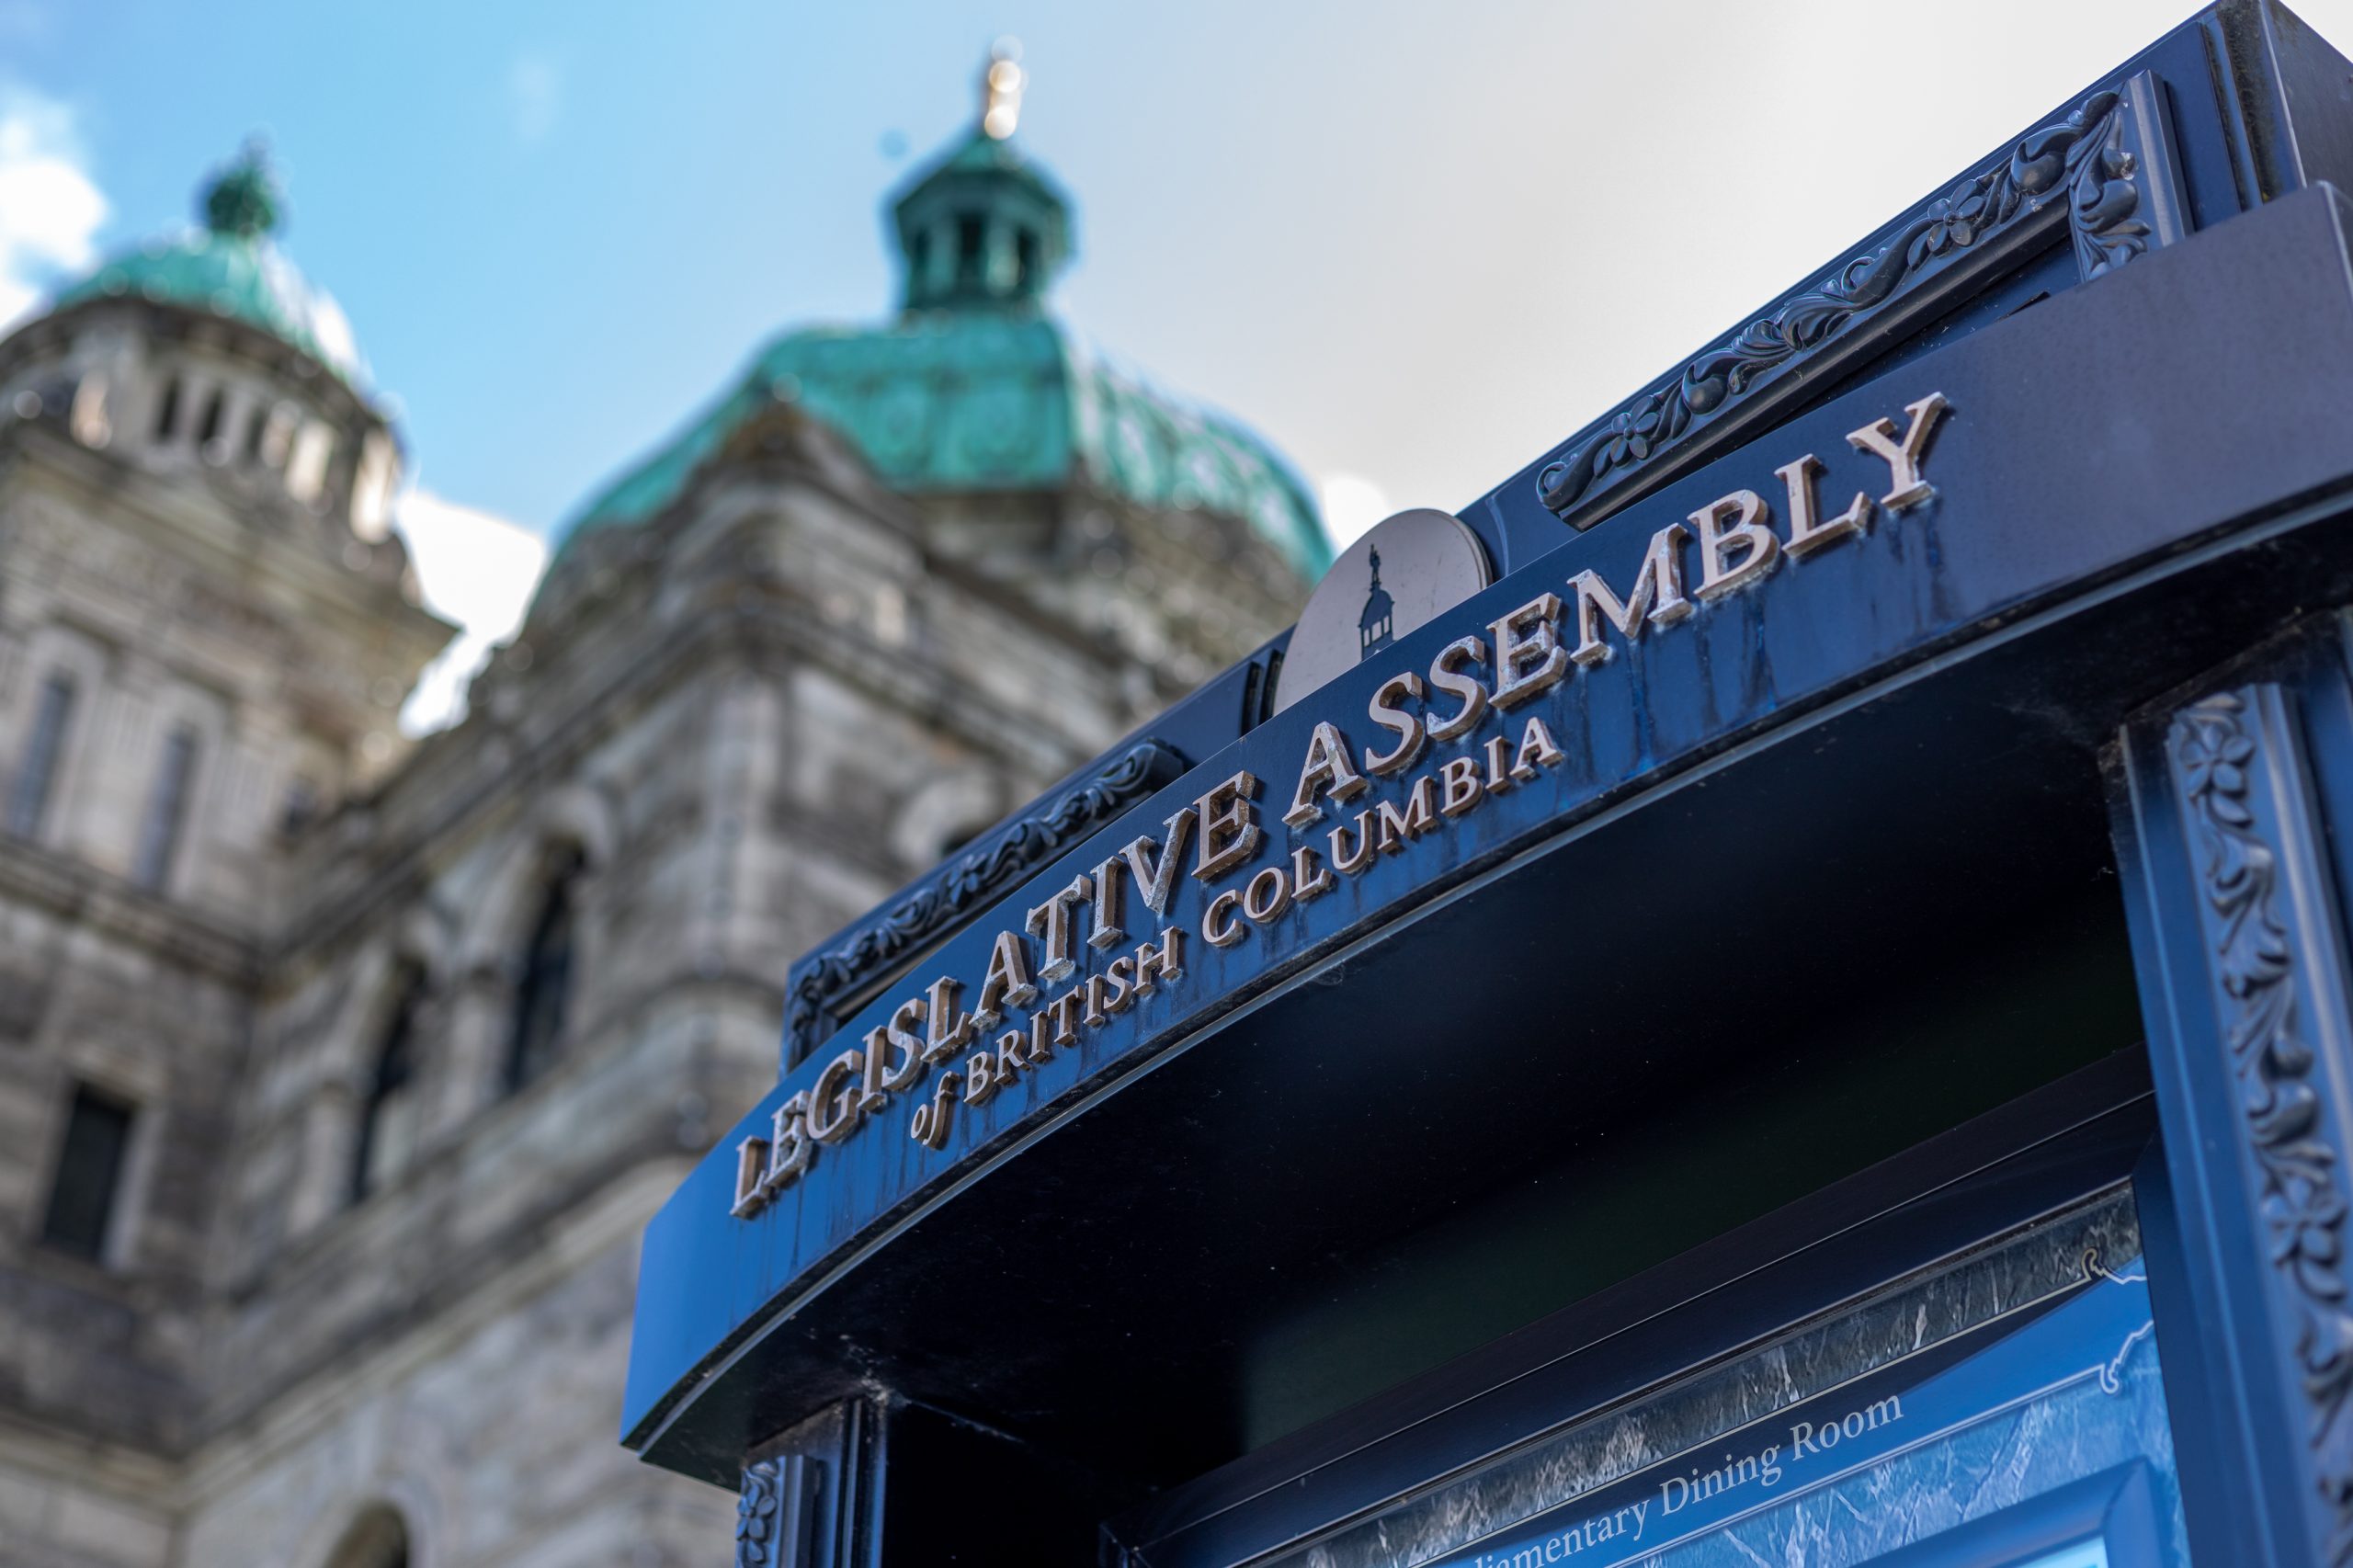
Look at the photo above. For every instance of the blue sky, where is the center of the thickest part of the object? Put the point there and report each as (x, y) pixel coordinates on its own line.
(1412, 244)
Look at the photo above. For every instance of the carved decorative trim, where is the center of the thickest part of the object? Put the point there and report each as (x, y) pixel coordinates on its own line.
(2093, 158)
(970, 881)
(2215, 752)
(759, 1517)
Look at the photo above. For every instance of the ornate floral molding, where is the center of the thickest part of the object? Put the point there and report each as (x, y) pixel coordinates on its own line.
(2215, 752)
(760, 1516)
(965, 883)
(2088, 158)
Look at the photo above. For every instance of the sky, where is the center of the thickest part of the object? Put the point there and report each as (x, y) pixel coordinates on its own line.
(1412, 246)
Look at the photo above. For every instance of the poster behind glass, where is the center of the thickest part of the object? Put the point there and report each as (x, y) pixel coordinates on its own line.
(2001, 1410)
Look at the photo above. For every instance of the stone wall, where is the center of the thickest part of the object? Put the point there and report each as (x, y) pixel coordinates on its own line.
(751, 717)
(489, 1426)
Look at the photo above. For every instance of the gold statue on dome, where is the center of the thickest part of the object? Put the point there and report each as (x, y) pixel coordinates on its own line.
(1001, 85)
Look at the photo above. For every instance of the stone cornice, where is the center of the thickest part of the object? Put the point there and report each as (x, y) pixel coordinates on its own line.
(72, 890)
(166, 322)
(734, 618)
(105, 481)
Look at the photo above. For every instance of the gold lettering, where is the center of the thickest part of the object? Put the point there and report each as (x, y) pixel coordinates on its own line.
(883, 1078)
(1498, 769)
(1656, 598)
(1537, 748)
(751, 1162)
(1108, 929)
(1229, 833)
(1327, 770)
(835, 1107)
(1459, 788)
(870, 1095)
(929, 1125)
(1806, 534)
(1007, 979)
(1393, 826)
(1352, 850)
(1759, 546)
(1065, 1011)
(1528, 656)
(1166, 961)
(1157, 879)
(1119, 975)
(1406, 727)
(942, 1039)
(1905, 487)
(1469, 690)
(1219, 927)
(980, 1077)
(1262, 906)
(1099, 993)
(900, 1036)
(1050, 922)
(1309, 875)
(789, 1148)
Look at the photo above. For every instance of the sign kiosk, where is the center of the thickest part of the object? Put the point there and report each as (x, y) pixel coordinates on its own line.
(1776, 990)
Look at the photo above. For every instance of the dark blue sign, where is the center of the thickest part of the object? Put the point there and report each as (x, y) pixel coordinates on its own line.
(1977, 1451)
(1914, 520)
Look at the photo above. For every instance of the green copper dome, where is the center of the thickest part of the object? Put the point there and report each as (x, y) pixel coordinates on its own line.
(975, 387)
(232, 268)
(954, 401)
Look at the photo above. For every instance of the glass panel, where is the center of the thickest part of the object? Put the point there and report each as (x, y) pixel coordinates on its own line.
(1956, 1409)
(544, 987)
(2091, 1554)
(89, 1168)
(29, 801)
(159, 836)
(387, 1126)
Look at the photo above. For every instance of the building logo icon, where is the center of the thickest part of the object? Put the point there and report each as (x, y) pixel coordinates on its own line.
(1376, 626)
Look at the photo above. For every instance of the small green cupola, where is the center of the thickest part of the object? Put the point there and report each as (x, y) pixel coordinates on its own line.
(231, 266)
(984, 228)
(975, 387)
(243, 200)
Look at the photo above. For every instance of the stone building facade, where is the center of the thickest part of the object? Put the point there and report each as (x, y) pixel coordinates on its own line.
(340, 1073)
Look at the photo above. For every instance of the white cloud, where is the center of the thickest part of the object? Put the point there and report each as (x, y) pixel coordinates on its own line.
(50, 208)
(476, 570)
(1352, 505)
(534, 97)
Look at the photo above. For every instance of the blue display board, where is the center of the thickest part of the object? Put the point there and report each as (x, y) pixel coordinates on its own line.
(2036, 1439)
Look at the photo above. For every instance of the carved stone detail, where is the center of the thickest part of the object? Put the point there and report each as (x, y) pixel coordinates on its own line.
(2216, 752)
(2088, 158)
(973, 879)
(759, 1517)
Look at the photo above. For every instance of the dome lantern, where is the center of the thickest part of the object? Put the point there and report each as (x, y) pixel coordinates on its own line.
(984, 228)
(976, 390)
(244, 202)
(230, 266)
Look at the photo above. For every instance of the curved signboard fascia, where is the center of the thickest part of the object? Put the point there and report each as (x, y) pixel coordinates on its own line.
(2076, 444)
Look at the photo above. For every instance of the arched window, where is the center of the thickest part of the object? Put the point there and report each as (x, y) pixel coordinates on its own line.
(167, 413)
(544, 979)
(207, 425)
(388, 1121)
(37, 769)
(378, 1538)
(970, 256)
(159, 830)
